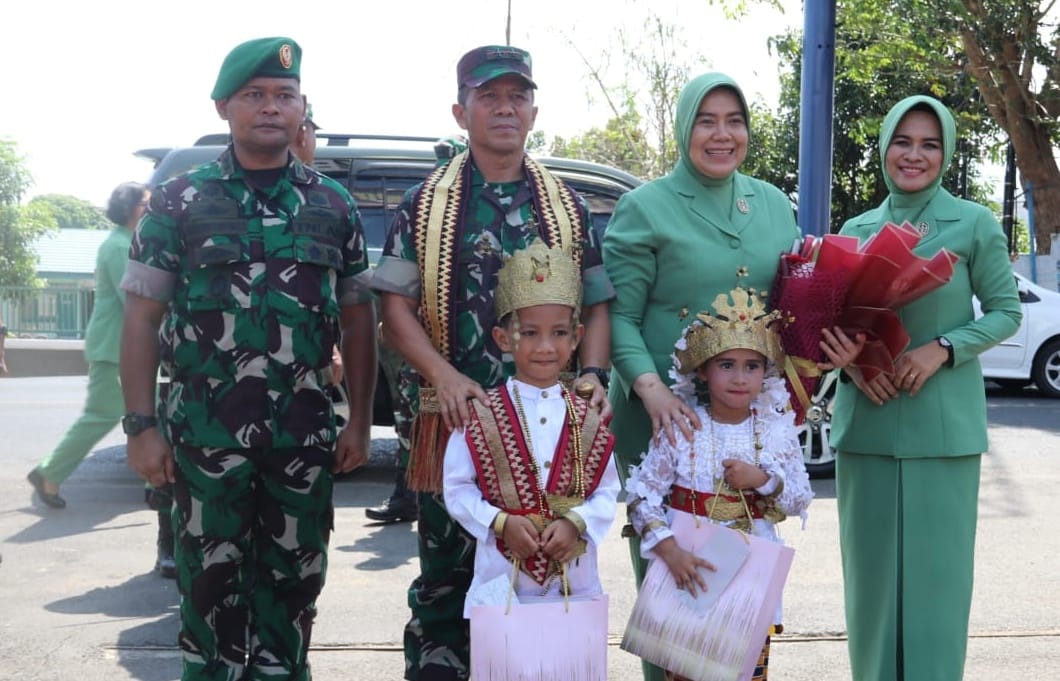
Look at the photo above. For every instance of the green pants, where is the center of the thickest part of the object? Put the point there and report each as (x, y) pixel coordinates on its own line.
(907, 534)
(252, 536)
(437, 637)
(104, 407)
(630, 444)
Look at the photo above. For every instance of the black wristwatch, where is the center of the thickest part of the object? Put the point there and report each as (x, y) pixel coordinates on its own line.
(134, 424)
(948, 347)
(602, 375)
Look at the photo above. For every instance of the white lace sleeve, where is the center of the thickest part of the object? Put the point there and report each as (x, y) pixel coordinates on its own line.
(646, 486)
(782, 454)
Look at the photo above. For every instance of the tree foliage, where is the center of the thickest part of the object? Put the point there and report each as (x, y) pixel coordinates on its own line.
(73, 213)
(1014, 58)
(884, 52)
(638, 138)
(19, 225)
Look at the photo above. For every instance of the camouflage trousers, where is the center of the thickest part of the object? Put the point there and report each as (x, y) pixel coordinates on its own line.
(252, 536)
(437, 637)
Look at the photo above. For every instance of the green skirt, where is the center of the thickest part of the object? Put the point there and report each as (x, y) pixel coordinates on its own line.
(907, 533)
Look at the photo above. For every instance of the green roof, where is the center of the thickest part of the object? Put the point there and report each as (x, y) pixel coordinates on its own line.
(69, 252)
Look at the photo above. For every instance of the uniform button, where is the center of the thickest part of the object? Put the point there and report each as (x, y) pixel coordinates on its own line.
(543, 420)
(734, 243)
(548, 464)
(544, 394)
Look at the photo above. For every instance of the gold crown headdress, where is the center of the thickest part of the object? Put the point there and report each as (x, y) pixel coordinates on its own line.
(538, 275)
(742, 323)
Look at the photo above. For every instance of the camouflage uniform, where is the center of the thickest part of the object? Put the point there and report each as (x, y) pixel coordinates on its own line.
(254, 280)
(497, 223)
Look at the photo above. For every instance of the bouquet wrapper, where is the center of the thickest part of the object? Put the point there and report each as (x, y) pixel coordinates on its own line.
(811, 299)
(540, 640)
(876, 278)
(723, 643)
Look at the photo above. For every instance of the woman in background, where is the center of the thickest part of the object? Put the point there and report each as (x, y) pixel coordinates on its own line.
(104, 405)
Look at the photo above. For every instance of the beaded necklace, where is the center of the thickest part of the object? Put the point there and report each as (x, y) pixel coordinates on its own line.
(579, 470)
(576, 440)
(753, 421)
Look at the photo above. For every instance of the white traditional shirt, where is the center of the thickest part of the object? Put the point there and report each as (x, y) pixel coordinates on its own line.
(546, 414)
(666, 465)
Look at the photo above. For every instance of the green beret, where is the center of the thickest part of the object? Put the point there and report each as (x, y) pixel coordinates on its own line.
(262, 57)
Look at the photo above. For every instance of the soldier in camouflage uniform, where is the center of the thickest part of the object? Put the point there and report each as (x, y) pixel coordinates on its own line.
(246, 271)
(495, 204)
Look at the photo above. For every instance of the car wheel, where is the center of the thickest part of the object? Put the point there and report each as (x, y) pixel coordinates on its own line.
(1046, 372)
(815, 433)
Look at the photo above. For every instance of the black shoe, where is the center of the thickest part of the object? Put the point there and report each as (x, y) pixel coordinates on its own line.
(396, 509)
(165, 564)
(37, 480)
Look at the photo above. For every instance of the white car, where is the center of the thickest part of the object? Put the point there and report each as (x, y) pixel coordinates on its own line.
(1033, 353)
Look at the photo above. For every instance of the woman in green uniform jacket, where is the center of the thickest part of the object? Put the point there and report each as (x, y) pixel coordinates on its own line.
(672, 245)
(909, 446)
(104, 405)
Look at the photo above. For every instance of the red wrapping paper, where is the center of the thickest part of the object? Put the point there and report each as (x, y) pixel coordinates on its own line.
(872, 280)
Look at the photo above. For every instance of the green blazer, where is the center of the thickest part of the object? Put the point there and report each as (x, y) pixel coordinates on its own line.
(668, 254)
(103, 335)
(948, 415)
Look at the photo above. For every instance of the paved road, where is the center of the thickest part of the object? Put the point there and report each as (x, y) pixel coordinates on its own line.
(78, 599)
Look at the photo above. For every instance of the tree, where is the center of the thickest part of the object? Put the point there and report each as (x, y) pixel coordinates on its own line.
(19, 225)
(73, 213)
(655, 70)
(882, 55)
(1010, 49)
(621, 143)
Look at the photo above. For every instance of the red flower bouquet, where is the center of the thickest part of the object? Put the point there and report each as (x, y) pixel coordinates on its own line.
(834, 281)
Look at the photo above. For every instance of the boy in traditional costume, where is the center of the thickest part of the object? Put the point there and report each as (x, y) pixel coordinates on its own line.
(723, 367)
(531, 476)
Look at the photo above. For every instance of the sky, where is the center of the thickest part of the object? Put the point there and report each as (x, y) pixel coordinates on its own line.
(96, 81)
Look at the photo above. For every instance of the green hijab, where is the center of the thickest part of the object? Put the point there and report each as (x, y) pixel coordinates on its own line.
(687, 107)
(904, 205)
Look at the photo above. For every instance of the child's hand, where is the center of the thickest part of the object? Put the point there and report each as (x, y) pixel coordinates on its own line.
(559, 540)
(684, 566)
(742, 475)
(521, 536)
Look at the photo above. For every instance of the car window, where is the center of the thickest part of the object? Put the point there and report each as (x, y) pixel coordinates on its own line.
(377, 196)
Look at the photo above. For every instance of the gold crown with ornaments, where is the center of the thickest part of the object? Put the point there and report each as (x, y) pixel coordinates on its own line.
(740, 321)
(538, 275)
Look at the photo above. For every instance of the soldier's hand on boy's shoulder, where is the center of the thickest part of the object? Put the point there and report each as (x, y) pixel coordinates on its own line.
(742, 475)
(521, 536)
(453, 392)
(560, 540)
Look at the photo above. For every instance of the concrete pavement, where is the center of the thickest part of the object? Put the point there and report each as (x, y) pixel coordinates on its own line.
(79, 600)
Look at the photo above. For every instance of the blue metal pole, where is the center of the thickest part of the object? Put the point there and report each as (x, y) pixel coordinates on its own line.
(815, 121)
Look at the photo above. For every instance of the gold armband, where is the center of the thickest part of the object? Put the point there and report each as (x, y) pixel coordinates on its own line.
(499, 522)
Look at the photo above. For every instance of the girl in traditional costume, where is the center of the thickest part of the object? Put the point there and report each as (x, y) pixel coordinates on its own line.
(723, 368)
(531, 476)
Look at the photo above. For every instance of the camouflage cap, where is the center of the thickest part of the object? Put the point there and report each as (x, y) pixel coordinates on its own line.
(261, 57)
(309, 116)
(483, 64)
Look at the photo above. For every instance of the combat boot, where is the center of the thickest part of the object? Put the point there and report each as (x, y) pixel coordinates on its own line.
(166, 565)
(400, 507)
